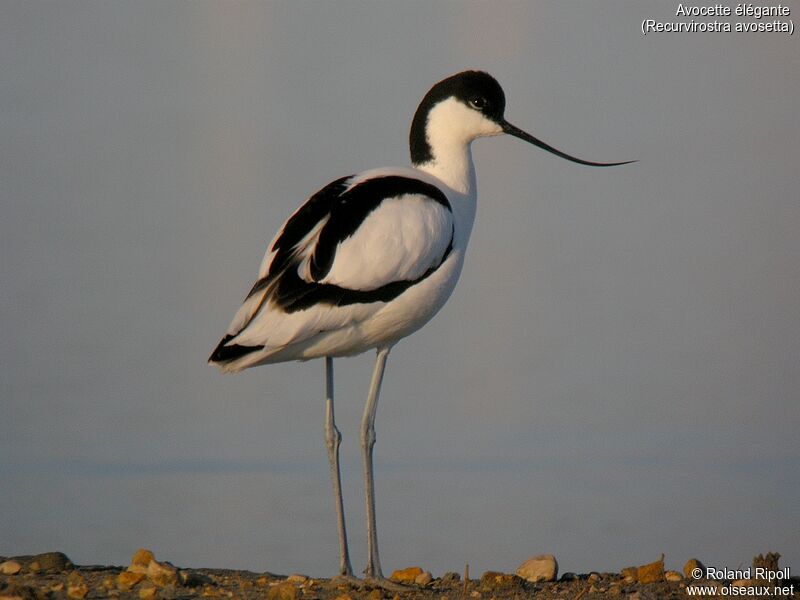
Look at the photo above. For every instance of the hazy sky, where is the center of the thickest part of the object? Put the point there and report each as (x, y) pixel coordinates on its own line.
(616, 376)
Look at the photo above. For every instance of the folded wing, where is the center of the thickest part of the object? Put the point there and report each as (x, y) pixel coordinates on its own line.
(354, 245)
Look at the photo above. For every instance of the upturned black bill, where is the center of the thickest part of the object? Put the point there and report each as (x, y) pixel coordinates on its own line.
(517, 132)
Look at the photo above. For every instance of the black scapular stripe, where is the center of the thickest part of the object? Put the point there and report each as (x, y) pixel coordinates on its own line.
(346, 211)
(351, 208)
(293, 293)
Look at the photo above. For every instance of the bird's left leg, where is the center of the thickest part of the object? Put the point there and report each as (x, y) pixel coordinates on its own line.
(373, 570)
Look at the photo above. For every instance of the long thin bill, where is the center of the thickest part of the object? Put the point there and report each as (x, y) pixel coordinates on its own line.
(523, 135)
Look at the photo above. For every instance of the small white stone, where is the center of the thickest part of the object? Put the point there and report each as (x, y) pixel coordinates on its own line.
(542, 567)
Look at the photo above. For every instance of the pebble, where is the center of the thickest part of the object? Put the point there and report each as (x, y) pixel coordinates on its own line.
(629, 574)
(51, 562)
(450, 578)
(690, 566)
(652, 572)
(542, 567)
(10, 567)
(193, 579)
(493, 582)
(162, 574)
(407, 575)
(76, 586)
(282, 591)
(673, 576)
(649, 573)
(141, 561)
(142, 557)
(423, 578)
(297, 578)
(128, 579)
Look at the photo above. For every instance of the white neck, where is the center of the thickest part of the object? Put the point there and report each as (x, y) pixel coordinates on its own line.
(453, 166)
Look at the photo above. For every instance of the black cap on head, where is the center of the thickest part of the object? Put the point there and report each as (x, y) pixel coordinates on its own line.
(476, 89)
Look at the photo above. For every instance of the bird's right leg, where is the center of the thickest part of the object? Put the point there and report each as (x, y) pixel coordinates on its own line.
(333, 439)
(374, 576)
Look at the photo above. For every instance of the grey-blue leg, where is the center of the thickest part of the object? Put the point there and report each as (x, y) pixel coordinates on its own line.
(373, 570)
(333, 439)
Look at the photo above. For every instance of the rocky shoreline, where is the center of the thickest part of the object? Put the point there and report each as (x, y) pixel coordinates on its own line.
(53, 576)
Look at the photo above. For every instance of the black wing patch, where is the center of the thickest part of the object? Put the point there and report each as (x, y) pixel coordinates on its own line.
(303, 221)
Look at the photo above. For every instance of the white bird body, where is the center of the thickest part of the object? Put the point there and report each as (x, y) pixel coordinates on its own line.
(371, 258)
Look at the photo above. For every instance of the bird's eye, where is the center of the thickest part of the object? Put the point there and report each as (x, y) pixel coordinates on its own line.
(478, 102)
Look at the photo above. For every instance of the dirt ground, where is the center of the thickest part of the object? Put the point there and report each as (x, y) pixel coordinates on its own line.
(53, 576)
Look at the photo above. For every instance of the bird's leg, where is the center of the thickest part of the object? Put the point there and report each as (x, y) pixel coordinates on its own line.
(333, 439)
(373, 571)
